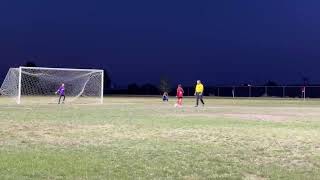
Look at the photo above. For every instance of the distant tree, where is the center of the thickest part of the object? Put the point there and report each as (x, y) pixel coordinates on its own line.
(30, 64)
(164, 85)
(133, 88)
(149, 89)
(106, 79)
(271, 83)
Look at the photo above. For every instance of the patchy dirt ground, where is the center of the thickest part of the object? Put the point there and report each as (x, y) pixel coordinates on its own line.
(281, 137)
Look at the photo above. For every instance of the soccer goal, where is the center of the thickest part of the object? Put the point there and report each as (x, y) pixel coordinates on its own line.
(39, 85)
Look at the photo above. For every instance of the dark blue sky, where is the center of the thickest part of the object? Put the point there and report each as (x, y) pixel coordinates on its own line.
(220, 42)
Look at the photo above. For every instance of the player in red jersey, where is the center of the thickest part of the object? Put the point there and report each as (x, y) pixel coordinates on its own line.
(179, 95)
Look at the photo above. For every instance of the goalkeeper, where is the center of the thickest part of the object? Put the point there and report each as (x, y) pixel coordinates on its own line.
(61, 93)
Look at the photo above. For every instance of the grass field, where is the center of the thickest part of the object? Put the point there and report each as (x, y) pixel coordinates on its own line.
(143, 138)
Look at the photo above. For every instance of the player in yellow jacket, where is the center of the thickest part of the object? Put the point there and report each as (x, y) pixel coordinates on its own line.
(199, 93)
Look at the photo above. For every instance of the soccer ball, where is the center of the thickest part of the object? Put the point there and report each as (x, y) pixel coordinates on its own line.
(176, 105)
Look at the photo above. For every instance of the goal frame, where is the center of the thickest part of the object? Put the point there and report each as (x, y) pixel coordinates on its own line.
(62, 69)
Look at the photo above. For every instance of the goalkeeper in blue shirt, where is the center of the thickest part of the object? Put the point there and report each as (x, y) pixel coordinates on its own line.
(61, 93)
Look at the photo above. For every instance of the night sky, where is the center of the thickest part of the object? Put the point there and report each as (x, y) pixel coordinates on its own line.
(219, 42)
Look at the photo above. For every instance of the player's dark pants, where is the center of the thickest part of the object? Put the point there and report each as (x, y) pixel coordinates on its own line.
(165, 98)
(199, 96)
(64, 98)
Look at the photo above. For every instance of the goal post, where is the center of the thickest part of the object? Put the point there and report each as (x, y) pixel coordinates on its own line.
(39, 84)
(19, 86)
(102, 86)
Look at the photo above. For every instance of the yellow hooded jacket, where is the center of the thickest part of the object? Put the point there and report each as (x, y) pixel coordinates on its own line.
(199, 88)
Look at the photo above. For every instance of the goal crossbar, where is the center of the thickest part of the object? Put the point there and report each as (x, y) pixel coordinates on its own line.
(64, 69)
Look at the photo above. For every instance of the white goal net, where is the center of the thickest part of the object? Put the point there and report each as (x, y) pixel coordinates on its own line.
(40, 85)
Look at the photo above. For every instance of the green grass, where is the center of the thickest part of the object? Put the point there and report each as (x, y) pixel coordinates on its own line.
(143, 138)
